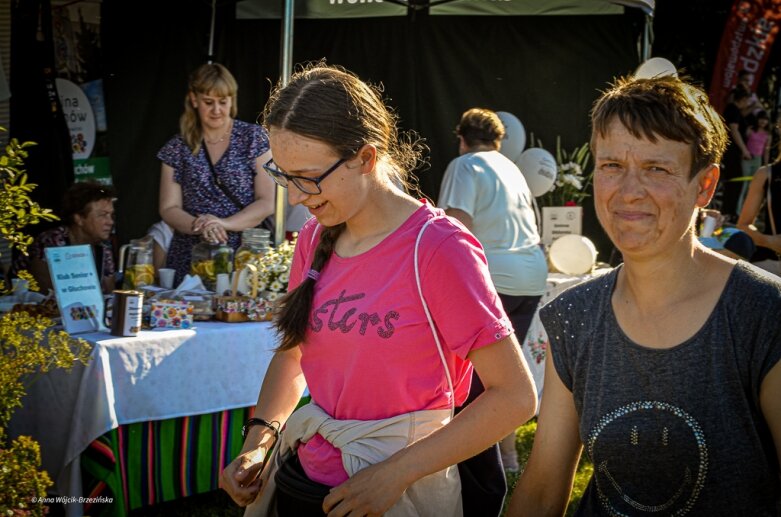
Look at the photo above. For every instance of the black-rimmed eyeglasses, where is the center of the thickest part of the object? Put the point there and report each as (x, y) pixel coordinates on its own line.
(304, 184)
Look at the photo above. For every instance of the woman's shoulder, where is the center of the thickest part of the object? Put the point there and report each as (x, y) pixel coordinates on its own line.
(57, 236)
(242, 126)
(252, 135)
(583, 297)
(439, 226)
(442, 238)
(175, 146)
(308, 236)
(751, 286)
(252, 129)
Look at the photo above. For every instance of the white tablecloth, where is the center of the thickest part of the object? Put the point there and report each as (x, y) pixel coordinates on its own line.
(156, 375)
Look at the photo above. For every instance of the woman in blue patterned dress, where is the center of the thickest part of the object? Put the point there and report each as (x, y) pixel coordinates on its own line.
(209, 186)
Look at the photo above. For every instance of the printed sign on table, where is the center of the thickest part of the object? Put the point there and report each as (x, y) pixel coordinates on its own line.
(560, 220)
(77, 287)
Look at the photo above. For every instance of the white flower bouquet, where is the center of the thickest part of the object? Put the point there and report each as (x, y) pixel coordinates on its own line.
(274, 270)
(572, 183)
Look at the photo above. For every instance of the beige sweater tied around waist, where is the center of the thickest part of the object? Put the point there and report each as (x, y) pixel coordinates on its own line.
(364, 443)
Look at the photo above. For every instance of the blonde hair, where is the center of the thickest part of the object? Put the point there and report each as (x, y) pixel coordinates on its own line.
(208, 79)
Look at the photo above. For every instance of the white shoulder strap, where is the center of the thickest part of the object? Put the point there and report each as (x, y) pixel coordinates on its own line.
(431, 321)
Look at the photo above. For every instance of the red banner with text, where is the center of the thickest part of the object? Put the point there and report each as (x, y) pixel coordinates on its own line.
(745, 45)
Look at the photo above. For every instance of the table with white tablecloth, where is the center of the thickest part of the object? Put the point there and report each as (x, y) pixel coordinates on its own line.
(157, 375)
(535, 345)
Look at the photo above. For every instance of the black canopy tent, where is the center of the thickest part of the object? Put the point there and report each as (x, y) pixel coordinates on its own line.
(547, 70)
(287, 10)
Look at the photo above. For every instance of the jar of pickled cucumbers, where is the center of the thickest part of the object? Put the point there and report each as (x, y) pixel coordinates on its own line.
(210, 260)
(255, 242)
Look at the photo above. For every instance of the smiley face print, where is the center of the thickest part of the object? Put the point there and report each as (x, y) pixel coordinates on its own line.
(649, 457)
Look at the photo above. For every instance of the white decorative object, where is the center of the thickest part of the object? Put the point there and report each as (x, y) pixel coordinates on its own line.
(539, 168)
(656, 67)
(573, 254)
(514, 136)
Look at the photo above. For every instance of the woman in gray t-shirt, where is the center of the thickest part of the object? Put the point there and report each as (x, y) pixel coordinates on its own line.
(667, 370)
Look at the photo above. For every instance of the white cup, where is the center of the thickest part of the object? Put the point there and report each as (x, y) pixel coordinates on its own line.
(708, 226)
(166, 276)
(223, 283)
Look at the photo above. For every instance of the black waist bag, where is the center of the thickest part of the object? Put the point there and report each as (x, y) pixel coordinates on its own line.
(297, 495)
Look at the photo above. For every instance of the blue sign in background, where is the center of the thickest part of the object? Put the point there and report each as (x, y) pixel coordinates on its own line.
(77, 287)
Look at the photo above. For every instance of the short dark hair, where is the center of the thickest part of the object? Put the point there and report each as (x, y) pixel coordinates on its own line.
(480, 126)
(667, 107)
(79, 195)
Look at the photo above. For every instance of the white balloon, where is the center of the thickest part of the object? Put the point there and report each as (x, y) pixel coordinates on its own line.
(539, 168)
(514, 135)
(573, 254)
(656, 67)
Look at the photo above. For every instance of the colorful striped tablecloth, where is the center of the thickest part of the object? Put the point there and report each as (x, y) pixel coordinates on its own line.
(159, 376)
(147, 463)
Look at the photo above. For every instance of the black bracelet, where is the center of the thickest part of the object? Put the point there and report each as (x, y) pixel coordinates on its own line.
(260, 421)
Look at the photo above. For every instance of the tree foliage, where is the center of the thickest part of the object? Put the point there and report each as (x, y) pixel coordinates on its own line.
(17, 209)
(29, 346)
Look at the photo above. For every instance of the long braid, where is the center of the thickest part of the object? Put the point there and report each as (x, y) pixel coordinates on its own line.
(295, 307)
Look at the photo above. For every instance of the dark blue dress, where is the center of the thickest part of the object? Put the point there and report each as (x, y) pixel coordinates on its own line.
(200, 194)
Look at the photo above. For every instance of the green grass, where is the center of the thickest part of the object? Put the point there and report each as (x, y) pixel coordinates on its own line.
(524, 438)
(219, 504)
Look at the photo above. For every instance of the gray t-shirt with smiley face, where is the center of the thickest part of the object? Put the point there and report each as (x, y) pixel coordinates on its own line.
(676, 431)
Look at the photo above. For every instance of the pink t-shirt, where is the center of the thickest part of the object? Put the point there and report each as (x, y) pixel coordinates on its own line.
(756, 142)
(369, 352)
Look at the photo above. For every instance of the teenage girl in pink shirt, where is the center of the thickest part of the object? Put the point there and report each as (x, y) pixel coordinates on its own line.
(758, 143)
(391, 305)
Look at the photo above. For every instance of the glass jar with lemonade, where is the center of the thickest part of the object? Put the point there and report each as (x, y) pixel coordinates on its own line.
(209, 260)
(255, 242)
(136, 263)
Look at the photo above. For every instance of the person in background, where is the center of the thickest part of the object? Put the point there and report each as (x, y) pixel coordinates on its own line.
(374, 324)
(161, 234)
(736, 153)
(765, 188)
(209, 184)
(754, 105)
(667, 370)
(726, 239)
(87, 211)
(488, 193)
(758, 138)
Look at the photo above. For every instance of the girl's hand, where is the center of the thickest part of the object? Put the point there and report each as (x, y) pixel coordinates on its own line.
(370, 492)
(241, 478)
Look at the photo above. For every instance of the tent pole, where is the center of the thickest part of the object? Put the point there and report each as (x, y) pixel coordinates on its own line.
(286, 57)
(211, 32)
(646, 50)
(285, 70)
